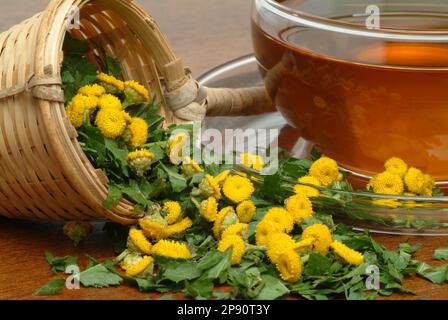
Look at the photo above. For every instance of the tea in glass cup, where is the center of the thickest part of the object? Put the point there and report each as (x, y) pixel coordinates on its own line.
(363, 83)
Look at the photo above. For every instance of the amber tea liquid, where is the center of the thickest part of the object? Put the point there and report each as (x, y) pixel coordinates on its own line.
(361, 101)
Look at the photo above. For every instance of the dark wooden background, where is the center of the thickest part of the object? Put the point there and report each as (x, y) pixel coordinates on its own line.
(204, 33)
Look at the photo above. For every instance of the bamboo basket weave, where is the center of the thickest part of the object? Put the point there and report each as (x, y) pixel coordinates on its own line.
(44, 174)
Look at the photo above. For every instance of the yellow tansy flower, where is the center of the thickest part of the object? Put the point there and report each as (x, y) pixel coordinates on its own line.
(137, 132)
(209, 188)
(289, 265)
(307, 190)
(190, 167)
(107, 101)
(139, 267)
(281, 216)
(209, 209)
(428, 186)
(138, 241)
(387, 183)
(172, 210)
(77, 111)
(92, 90)
(300, 207)
(252, 161)
(111, 122)
(325, 170)
(177, 147)
(414, 180)
(321, 235)
(111, 83)
(140, 161)
(154, 229)
(135, 93)
(238, 247)
(246, 211)
(347, 254)
(396, 166)
(237, 189)
(171, 249)
(179, 227)
(276, 243)
(220, 178)
(238, 229)
(225, 218)
(265, 229)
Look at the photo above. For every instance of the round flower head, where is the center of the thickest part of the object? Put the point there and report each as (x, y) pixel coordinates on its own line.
(171, 249)
(190, 167)
(265, 229)
(307, 190)
(387, 183)
(282, 217)
(92, 90)
(321, 236)
(237, 229)
(237, 189)
(325, 170)
(220, 178)
(289, 265)
(177, 147)
(140, 161)
(246, 211)
(77, 111)
(276, 243)
(135, 93)
(107, 101)
(209, 188)
(209, 209)
(111, 122)
(396, 166)
(252, 161)
(92, 103)
(153, 228)
(173, 211)
(428, 186)
(140, 267)
(225, 218)
(137, 132)
(129, 259)
(138, 242)
(300, 207)
(414, 180)
(77, 230)
(179, 227)
(238, 247)
(347, 254)
(110, 83)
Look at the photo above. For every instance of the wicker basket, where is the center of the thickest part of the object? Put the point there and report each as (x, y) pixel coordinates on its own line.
(44, 174)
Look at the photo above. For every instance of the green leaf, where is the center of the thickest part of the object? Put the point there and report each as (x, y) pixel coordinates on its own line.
(120, 155)
(99, 277)
(441, 254)
(273, 288)
(317, 265)
(182, 271)
(113, 197)
(60, 264)
(220, 269)
(177, 181)
(435, 275)
(51, 288)
(133, 192)
(200, 288)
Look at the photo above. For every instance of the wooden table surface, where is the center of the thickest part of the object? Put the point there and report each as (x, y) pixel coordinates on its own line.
(204, 34)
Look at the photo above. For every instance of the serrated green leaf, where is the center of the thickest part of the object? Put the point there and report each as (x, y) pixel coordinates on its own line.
(60, 264)
(181, 271)
(99, 277)
(273, 288)
(51, 288)
(178, 182)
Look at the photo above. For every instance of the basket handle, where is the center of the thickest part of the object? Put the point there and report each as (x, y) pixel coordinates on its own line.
(192, 102)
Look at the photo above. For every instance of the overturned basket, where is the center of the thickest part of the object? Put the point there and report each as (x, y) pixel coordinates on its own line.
(44, 174)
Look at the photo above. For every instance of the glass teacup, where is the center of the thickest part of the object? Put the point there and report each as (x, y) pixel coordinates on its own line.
(362, 82)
